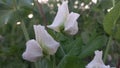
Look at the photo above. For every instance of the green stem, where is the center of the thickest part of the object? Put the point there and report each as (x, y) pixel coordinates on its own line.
(54, 61)
(61, 48)
(110, 38)
(22, 22)
(25, 31)
(107, 49)
(36, 65)
(41, 12)
(12, 34)
(113, 2)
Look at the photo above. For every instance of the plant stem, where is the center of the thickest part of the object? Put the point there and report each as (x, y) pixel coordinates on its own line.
(27, 38)
(36, 65)
(107, 49)
(61, 48)
(25, 30)
(113, 2)
(110, 38)
(22, 22)
(54, 61)
(41, 12)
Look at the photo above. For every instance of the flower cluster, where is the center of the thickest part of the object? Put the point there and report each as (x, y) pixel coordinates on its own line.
(44, 43)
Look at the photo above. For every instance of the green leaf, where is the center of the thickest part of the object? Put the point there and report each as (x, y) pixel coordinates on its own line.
(71, 62)
(71, 47)
(76, 46)
(92, 46)
(111, 22)
(44, 63)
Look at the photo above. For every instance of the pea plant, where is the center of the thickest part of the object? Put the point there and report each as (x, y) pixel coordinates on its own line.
(60, 33)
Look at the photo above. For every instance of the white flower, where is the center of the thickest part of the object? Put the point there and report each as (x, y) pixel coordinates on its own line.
(43, 43)
(33, 51)
(97, 61)
(61, 17)
(47, 43)
(65, 20)
(71, 25)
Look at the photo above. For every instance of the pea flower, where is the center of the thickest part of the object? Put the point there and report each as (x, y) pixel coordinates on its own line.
(97, 61)
(33, 51)
(44, 44)
(65, 20)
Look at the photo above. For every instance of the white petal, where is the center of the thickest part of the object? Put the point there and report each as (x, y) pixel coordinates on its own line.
(60, 17)
(71, 25)
(47, 42)
(97, 61)
(33, 51)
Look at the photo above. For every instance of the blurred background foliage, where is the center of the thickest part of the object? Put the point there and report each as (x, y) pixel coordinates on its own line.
(79, 48)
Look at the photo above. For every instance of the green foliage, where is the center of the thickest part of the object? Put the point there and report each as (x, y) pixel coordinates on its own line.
(15, 10)
(112, 23)
(104, 5)
(44, 63)
(93, 45)
(71, 62)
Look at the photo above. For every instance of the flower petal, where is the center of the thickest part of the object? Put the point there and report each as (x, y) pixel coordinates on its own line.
(97, 61)
(33, 51)
(71, 25)
(60, 17)
(48, 44)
